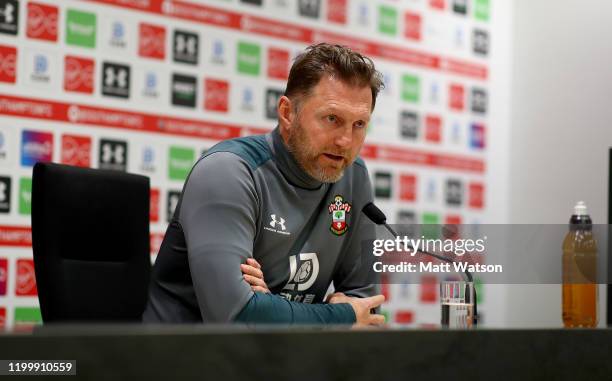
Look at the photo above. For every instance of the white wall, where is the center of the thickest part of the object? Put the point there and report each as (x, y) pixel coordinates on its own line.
(560, 128)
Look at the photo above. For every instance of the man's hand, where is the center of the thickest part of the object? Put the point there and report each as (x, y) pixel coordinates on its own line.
(254, 276)
(362, 307)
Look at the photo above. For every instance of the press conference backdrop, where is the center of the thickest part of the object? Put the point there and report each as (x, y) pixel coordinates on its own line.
(146, 86)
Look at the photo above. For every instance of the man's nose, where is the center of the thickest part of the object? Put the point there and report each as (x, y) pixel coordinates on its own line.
(344, 138)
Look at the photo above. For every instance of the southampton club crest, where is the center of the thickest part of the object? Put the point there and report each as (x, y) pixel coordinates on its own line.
(339, 209)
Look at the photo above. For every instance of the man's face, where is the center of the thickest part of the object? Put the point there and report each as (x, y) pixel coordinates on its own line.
(327, 134)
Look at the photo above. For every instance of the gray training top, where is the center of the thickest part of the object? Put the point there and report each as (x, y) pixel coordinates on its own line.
(248, 197)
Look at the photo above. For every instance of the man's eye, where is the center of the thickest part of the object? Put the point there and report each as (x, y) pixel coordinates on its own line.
(331, 118)
(360, 124)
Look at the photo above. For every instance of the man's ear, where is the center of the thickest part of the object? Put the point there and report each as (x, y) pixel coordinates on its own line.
(285, 112)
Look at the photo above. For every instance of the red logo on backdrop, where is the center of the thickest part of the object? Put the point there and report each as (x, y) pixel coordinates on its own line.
(404, 316)
(3, 275)
(216, 95)
(26, 279)
(76, 150)
(336, 11)
(412, 26)
(476, 195)
(154, 205)
(152, 42)
(155, 241)
(408, 187)
(456, 97)
(437, 4)
(452, 220)
(433, 128)
(78, 74)
(42, 22)
(278, 63)
(8, 64)
(429, 291)
(2, 317)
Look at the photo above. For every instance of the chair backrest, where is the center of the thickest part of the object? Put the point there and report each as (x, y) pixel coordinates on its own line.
(90, 237)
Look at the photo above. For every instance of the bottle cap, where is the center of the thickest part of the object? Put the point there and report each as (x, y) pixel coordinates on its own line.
(580, 209)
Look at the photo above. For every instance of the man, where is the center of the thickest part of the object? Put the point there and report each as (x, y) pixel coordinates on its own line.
(289, 202)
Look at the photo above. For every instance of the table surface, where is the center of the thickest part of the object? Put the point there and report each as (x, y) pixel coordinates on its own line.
(113, 352)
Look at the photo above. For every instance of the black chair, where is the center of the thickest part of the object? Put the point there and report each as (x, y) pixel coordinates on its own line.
(90, 237)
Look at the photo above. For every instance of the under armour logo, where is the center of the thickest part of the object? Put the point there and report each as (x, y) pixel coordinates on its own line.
(8, 13)
(186, 44)
(112, 154)
(280, 222)
(115, 77)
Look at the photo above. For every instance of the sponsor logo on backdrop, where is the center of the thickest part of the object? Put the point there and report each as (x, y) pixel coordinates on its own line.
(9, 16)
(481, 10)
(42, 22)
(459, 38)
(117, 35)
(406, 217)
(247, 99)
(172, 202)
(336, 11)
(154, 205)
(278, 63)
(309, 8)
(41, 66)
(78, 74)
(434, 93)
(272, 96)
(409, 124)
(152, 41)
(254, 2)
(437, 4)
(412, 26)
(456, 97)
(476, 195)
(249, 58)
(480, 42)
(433, 128)
(151, 84)
(81, 28)
(452, 220)
(387, 20)
(479, 100)
(26, 279)
(411, 88)
(363, 14)
(8, 64)
(184, 90)
(5, 194)
(2, 318)
(3, 277)
(115, 80)
(5, 145)
(185, 47)
(36, 146)
(477, 136)
(460, 6)
(429, 289)
(76, 150)
(456, 132)
(454, 192)
(216, 95)
(382, 185)
(218, 52)
(408, 187)
(25, 195)
(180, 161)
(388, 79)
(148, 162)
(431, 190)
(113, 155)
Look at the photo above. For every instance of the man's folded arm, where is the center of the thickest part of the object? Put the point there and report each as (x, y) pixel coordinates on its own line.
(218, 214)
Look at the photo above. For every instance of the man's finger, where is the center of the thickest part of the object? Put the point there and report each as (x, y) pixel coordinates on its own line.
(375, 301)
(253, 262)
(377, 319)
(254, 281)
(250, 270)
(260, 289)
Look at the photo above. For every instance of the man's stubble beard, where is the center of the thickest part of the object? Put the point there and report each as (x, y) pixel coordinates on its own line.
(306, 156)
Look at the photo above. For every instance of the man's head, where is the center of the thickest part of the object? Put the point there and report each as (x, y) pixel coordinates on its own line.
(323, 116)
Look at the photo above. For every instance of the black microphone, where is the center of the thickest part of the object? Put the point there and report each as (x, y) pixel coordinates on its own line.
(378, 217)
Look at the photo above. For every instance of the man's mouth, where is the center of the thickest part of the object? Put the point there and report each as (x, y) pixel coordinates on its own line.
(334, 157)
